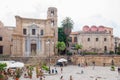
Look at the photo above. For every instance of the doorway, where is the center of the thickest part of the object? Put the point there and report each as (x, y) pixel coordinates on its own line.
(33, 49)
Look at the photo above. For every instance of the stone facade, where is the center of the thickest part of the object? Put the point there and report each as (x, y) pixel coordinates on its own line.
(5, 39)
(35, 37)
(117, 44)
(95, 39)
(102, 60)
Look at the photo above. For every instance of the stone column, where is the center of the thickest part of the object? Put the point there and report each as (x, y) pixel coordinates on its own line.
(28, 47)
(38, 45)
(25, 46)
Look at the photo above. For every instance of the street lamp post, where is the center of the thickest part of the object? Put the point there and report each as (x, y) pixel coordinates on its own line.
(50, 44)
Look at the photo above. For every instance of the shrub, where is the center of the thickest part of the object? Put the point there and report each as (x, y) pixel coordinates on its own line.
(30, 73)
(69, 53)
(2, 66)
(118, 53)
(112, 68)
(30, 69)
(45, 67)
(4, 55)
(37, 70)
(89, 53)
(18, 73)
(1, 76)
(111, 52)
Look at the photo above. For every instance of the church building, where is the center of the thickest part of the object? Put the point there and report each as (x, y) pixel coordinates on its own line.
(33, 37)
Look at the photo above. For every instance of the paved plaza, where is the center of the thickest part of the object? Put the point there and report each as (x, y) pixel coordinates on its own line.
(101, 73)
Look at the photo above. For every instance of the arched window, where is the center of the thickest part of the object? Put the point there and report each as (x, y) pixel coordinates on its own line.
(24, 31)
(52, 12)
(105, 39)
(52, 22)
(110, 32)
(70, 39)
(96, 39)
(75, 39)
(1, 49)
(0, 38)
(105, 48)
(41, 32)
(88, 39)
(33, 31)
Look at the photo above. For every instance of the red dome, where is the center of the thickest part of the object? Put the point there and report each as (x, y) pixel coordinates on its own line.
(101, 28)
(94, 28)
(86, 28)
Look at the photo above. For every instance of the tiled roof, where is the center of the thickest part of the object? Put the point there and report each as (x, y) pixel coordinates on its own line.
(74, 33)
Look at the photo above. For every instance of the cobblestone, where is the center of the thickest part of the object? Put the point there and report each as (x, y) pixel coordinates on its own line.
(101, 73)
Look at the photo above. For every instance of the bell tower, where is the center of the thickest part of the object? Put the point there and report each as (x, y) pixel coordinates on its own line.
(52, 16)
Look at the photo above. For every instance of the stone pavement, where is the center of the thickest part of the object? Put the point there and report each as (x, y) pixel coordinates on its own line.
(101, 73)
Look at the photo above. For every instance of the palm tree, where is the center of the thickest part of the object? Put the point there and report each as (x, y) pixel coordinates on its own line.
(67, 25)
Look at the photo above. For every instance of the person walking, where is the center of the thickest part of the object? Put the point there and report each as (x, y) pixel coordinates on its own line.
(79, 65)
(71, 77)
(119, 70)
(61, 70)
(52, 71)
(61, 78)
(82, 71)
(56, 71)
(41, 74)
(43, 78)
(93, 65)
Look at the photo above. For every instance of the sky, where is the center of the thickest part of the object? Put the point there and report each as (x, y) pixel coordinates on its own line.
(82, 12)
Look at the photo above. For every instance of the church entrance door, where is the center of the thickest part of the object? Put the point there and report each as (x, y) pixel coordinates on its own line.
(33, 49)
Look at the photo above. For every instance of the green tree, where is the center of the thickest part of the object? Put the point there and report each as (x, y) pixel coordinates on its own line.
(61, 46)
(118, 50)
(67, 25)
(2, 68)
(61, 35)
(77, 47)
